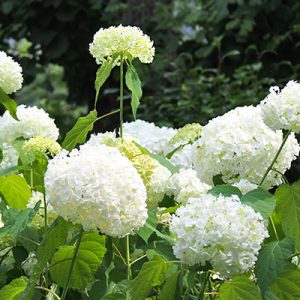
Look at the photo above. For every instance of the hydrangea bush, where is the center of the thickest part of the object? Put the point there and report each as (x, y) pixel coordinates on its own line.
(147, 212)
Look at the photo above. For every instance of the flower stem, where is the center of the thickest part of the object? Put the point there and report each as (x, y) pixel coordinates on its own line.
(275, 158)
(45, 212)
(128, 258)
(121, 95)
(203, 285)
(72, 265)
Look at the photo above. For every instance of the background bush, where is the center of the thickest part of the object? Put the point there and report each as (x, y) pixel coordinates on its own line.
(210, 55)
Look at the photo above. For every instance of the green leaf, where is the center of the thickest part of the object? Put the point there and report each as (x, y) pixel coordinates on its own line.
(152, 274)
(103, 73)
(15, 191)
(90, 255)
(78, 134)
(170, 287)
(287, 285)
(134, 84)
(17, 220)
(13, 290)
(14, 169)
(225, 190)
(261, 201)
(163, 161)
(239, 288)
(9, 104)
(145, 232)
(288, 210)
(273, 258)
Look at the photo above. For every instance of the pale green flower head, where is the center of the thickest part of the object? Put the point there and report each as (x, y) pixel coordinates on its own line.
(187, 134)
(41, 145)
(129, 41)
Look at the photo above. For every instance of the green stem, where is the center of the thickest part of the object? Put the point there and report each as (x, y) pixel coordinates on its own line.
(203, 285)
(128, 258)
(274, 228)
(275, 158)
(45, 212)
(121, 95)
(72, 265)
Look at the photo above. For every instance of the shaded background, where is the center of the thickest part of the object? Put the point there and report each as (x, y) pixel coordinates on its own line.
(210, 55)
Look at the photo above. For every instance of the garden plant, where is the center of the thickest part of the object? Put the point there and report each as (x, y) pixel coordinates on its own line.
(147, 212)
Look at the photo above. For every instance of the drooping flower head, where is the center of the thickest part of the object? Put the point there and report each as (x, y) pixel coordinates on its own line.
(239, 145)
(281, 109)
(149, 135)
(128, 40)
(97, 187)
(11, 77)
(219, 230)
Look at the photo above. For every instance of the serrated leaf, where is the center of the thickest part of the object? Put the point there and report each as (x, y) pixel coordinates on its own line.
(288, 210)
(261, 201)
(287, 285)
(239, 288)
(103, 73)
(90, 255)
(15, 191)
(134, 84)
(17, 220)
(170, 287)
(145, 232)
(79, 132)
(273, 258)
(225, 190)
(9, 104)
(152, 274)
(14, 289)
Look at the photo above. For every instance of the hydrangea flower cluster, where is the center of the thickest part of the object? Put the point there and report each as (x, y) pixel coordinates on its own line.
(185, 185)
(219, 230)
(239, 145)
(32, 122)
(97, 187)
(244, 186)
(154, 175)
(185, 158)
(149, 135)
(281, 109)
(11, 77)
(128, 40)
(42, 145)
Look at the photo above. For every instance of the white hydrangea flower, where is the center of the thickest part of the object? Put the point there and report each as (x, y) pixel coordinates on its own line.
(10, 156)
(32, 122)
(97, 187)
(245, 186)
(185, 158)
(239, 145)
(128, 40)
(185, 185)
(149, 135)
(219, 230)
(11, 77)
(281, 109)
(154, 175)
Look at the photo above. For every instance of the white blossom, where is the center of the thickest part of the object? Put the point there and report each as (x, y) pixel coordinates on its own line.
(219, 230)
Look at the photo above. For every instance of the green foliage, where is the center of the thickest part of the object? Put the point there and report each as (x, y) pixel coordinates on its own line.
(78, 134)
(240, 287)
(15, 191)
(225, 190)
(288, 210)
(13, 290)
(134, 84)
(261, 201)
(169, 290)
(145, 232)
(9, 104)
(88, 260)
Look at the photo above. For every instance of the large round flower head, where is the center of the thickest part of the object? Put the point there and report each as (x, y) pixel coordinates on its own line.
(32, 122)
(239, 145)
(185, 158)
(128, 40)
(97, 187)
(41, 145)
(11, 77)
(281, 109)
(219, 230)
(154, 175)
(188, 134)
(148, 135)
(185, 185)
(10, 156)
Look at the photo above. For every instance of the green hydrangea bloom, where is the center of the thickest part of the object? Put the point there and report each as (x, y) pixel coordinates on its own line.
(41, 145)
